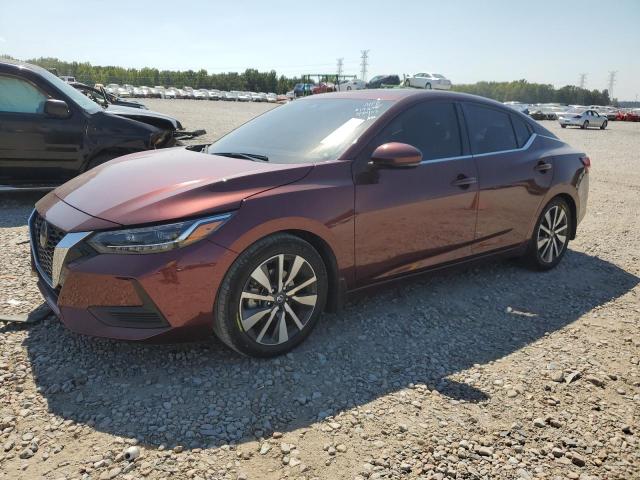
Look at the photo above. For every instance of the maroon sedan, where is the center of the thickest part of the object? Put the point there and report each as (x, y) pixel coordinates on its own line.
(257, 234)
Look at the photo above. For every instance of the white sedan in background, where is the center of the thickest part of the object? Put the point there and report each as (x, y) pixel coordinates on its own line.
(583, 119)
(429, 81)
(347, 85)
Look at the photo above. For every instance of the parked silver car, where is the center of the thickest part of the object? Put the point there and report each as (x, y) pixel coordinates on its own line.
(583, 119)
(428, 81)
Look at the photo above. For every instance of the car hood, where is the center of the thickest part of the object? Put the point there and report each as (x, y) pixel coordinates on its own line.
(168, 184)
(141, 114)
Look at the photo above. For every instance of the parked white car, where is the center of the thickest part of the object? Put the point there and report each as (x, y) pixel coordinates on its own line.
(429, 81)
(201, 94)
(272, 97)
(583, 119)
(355, 84)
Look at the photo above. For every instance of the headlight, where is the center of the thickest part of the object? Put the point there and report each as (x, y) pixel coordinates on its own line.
(158, 238)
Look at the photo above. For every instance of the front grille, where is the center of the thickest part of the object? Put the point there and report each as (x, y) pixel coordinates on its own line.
(44, 238)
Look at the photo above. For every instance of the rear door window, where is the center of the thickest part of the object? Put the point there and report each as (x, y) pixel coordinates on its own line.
(523, 132)
(490, 129)
(431, 127)
(19, 96)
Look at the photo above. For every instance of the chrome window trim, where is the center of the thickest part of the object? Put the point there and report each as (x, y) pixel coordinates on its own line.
(526, 146)
(512, 150)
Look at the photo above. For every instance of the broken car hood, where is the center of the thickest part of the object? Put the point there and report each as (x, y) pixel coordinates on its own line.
(168, 184)
(141, 115)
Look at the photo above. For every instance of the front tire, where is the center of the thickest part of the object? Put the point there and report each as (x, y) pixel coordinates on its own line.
(427, 86)
(604, 125)
(272, 296)
(563, 126)
(585, 125)
(550, 236)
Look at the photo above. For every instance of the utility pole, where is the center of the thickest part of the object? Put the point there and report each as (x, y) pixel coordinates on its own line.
(583, 78)
(363, 64)
(340, 64)
(612, 81)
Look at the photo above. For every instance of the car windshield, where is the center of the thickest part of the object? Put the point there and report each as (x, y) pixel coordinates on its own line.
(78, 97)
(304, 131)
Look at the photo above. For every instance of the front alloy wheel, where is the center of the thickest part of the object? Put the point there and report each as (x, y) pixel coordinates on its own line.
(271, 297)
(278, 299)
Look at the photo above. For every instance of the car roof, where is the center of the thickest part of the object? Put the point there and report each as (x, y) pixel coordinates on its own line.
(19, 65)
(401, 94)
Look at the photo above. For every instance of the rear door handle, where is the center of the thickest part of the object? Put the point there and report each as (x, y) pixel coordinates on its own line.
(463, 181)
(542, 166)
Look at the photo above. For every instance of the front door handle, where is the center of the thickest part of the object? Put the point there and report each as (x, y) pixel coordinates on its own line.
(463, 181)
(542, 166)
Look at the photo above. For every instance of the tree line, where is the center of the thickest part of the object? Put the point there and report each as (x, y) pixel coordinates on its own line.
(256, 81)
(525, 92)
(250, 80)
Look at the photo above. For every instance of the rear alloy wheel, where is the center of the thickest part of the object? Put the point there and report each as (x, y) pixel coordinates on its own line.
(272, 296)
(551, 235)
(604, 125)
(585, 125)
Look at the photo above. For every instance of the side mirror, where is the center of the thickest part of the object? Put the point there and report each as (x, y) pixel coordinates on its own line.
(396, 154)
(57, 108)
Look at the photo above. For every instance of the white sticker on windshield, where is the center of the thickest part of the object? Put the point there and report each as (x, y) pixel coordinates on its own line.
(368, 110)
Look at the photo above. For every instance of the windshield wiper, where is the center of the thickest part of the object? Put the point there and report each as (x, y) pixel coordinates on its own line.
(246, 156)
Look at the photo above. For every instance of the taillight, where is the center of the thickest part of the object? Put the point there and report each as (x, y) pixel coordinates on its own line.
(586, 161)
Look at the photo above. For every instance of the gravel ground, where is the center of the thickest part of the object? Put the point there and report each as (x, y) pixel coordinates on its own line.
(492, 372)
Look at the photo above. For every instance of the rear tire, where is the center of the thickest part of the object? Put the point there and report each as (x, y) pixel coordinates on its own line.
(551, 236)
(604, 125)
(271, 297)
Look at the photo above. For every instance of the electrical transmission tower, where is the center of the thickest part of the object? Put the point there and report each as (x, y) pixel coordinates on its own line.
(363, 64)
(612, 81)
(340, 65)
(583, 79)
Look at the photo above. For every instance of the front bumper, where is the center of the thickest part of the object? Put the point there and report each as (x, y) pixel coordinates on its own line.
(163, 296)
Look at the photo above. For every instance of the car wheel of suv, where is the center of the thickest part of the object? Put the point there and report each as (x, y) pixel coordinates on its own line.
(550, 236)
(585, 125)
(271, 297)
(604, 125)
(427, 86)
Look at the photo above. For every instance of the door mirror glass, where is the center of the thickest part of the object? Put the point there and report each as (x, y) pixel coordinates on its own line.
(57, 108)
(395, 154)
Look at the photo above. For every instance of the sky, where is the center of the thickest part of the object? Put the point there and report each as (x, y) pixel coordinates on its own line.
(467, 41)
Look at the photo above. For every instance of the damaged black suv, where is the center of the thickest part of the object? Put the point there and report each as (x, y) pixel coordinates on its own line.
(50, 132)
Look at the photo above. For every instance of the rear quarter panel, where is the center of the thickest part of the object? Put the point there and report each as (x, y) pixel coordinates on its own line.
(570, 178)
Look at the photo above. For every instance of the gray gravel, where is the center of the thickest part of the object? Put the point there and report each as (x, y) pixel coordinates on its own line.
(488, 372)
